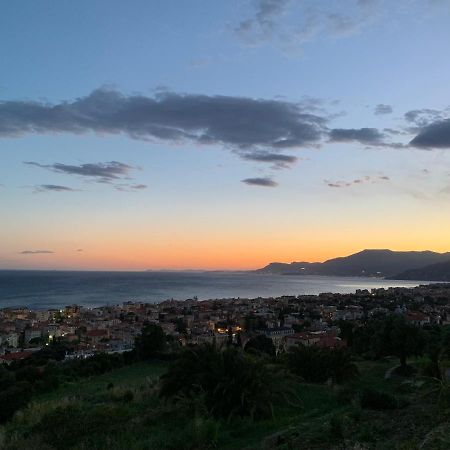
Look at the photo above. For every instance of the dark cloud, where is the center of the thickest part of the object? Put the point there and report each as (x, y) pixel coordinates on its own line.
(362, 135)
(52, 188)
(278, 160)
(231, 121)
(104, 172)
(264, 182)
(36, 252)
(436, 135)
(383, 109)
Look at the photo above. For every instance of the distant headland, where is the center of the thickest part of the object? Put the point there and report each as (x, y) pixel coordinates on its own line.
(383, 263)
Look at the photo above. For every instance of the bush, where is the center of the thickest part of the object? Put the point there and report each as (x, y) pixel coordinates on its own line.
(230, 382)
(317, 365)
(345, 394)
(150, 342)
(337, 426)
(66, 426)
(14, 398)
(373, 399)
(260, 344)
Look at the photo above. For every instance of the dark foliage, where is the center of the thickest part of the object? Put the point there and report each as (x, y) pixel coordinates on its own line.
(260, 344)
(317, 365)
(391, 336)
(22, 380)
(151, 341)
(13, 398)
(231, 382)
(66, 425)
(374, 399)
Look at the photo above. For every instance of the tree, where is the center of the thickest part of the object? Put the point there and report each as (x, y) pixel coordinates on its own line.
(347, 329)
(260, 344)
(434, 349)
(317, 365)
(150, 342)
(392, 335)
(402, 339)
(180, 326)
(230, 382)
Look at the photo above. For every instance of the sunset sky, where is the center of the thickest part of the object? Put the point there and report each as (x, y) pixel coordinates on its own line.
(212, 134)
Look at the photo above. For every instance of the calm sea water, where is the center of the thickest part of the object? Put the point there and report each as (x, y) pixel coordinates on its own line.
(52, 289)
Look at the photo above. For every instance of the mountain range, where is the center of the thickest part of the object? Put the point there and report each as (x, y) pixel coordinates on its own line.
(373, 263)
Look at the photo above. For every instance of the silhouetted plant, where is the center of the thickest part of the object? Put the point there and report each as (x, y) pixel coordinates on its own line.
(260, 344)
(317, 365)
(231, 382)
(150, 342)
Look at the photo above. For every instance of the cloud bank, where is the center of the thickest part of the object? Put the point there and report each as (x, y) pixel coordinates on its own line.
(256, 130)
(231, 121)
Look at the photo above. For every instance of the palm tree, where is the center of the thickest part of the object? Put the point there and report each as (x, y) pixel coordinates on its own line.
(231, 382)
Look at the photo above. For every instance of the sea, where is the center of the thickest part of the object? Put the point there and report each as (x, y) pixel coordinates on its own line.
(55, 289)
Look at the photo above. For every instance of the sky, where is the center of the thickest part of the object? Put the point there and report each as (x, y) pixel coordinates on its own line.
(221, 134)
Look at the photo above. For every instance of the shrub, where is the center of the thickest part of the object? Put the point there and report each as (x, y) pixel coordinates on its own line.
(260, 344)
(14, 398)
(150, 342)
(373, 399)
(317, 365)
(66, 426)
(231, 382)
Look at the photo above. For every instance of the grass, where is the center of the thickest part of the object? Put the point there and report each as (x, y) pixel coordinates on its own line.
(129, 376)
(121, 409)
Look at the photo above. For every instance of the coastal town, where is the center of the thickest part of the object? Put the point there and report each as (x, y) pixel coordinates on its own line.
(311, 320)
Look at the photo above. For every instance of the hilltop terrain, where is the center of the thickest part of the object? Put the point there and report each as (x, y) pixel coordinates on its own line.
(370, 263)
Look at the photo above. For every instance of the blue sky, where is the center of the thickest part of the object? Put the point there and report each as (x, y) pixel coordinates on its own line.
(211, 199)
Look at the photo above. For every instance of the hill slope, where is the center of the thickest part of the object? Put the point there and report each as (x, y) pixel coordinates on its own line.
(379, 263)
(433, 272)
(122, 410)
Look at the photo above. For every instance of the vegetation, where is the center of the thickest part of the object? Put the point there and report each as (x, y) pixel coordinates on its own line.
(317, 365)
(390, 336)
(151, 342)
(229, 382)
(260, 344)
(230, 398)
(124, 409)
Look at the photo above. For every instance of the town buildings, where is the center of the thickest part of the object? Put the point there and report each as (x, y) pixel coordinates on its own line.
(287, 321)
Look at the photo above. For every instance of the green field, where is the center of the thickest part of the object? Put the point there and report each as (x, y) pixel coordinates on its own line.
(122, 410)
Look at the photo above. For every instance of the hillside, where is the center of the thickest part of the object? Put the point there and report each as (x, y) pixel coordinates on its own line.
(373, 263)
(121, 409)
(433, 272)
